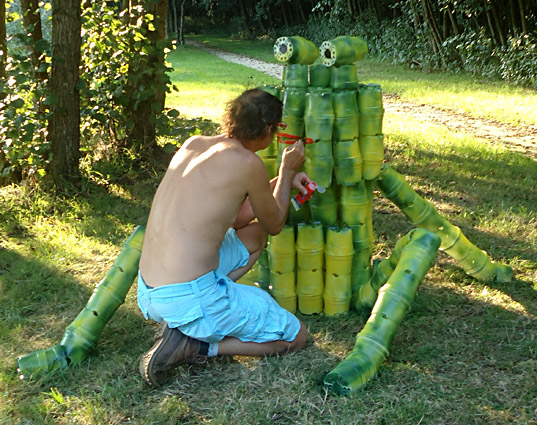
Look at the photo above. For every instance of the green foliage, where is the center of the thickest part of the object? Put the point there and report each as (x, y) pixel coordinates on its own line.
(121, 67)
(23, 108)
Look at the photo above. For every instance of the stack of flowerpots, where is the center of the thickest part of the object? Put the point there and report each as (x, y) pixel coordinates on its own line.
(281, 254)
(310, 261)
(338, 259)
(340, 121)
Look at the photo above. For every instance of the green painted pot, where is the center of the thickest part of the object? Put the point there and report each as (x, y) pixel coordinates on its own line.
(344, 78)
(346, 149)
(320, 76)
(361, 238)
(263, 277)
(283, 284)
(311, 260)
(281, 262)
(346, 128)
(369, 96)
(295, 75)
(359, 277)
(319, 129)
(319, 151)
(344, 103)
(323, 207)
(310, 236)
(339, 265)
(310, 282)
(310, 304)
(319, 103)
(372, 149)
(348, 171)
(370, 124)
(339, 241)
(294, 127)
(343, 50)
(320, 171)
(42, 361)
(286, 302)
(294, 101)
(361, 259)
(283, 242)
(273, 90)
(295, 50)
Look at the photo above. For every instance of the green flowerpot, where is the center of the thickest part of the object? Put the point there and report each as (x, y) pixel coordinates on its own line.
(281, 262)
(295, 50)
(344, 103)
(319, 151)
(294, 127)
(343, 50)
(319, 128)
(369, 96)
(310, 304)
(320, 76)
(310, 282)
(294, 101)
(372, 149)
(344, 78)
(319, 103)
(320, 171)
(346, 149)
(370, 124)
(295, 75)
(348, 171)
(310, 236)
(42, 361)
(323, 207)
(339, 241)
(283, 242)
(346, 128)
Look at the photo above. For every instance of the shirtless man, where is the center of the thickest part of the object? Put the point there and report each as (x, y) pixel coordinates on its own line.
(201, 237)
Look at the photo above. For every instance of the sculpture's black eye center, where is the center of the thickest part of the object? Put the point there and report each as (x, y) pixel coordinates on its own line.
(283, 49)
(327, 54)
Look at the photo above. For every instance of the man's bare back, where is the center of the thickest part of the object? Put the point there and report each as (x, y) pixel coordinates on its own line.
(199, 199)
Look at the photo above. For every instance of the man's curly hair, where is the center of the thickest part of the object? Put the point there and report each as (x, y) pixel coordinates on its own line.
(249, 115)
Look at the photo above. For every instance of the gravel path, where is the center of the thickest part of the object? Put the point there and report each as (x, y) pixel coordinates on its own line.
(521, 138)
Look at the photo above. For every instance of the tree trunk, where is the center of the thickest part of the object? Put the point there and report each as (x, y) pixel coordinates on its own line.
(3, 47)
(491, 26)
(415, 17)
(31, 17)
(285, 20)
(453, 19)
(434, 34)
(182, 23)
(523, 20)
(141, 113)
(64, 123)
(499, 24)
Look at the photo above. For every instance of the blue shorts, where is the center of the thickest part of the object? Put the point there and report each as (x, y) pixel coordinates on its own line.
(212, 306)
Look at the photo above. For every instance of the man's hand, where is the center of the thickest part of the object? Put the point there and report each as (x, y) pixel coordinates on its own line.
(300, 181)
(293, 157)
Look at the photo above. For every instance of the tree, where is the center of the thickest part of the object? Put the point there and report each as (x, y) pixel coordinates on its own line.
(64, 123)
(3, 47)
(32, 23)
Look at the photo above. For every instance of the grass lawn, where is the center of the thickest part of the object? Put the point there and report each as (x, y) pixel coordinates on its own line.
(465, 354)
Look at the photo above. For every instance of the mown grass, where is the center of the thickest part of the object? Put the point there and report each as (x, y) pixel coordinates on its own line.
(465, 354)
(206, 83)
(475, 96)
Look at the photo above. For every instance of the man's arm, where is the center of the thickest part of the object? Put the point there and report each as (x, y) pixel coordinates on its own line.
(270, 207)
(246, 213)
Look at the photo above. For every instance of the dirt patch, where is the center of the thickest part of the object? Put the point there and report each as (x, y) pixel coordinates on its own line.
(520, 138)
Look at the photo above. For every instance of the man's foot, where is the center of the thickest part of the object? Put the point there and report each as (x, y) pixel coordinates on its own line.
(171, 349)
